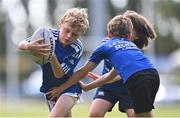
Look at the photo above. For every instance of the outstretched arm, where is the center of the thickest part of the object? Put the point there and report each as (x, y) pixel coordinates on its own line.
(96, 76)
(77, 76)
(93, 76)
(100, 81)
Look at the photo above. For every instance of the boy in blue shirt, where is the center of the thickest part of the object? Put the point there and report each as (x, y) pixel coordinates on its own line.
(116, 92)
(109, 94)
(68, 51)
(129, 62)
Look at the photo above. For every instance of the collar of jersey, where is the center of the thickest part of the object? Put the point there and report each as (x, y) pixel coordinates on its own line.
(122, 39)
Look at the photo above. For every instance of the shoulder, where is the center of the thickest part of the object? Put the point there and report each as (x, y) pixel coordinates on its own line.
(77, 46)
(105, 40)
(103, 44)
(101, 48)
(78, 42)
(54, 31)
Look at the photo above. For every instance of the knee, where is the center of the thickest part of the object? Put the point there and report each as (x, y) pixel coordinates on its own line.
(130, 113)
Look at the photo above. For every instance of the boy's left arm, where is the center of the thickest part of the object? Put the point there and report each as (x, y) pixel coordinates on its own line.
(77, 76)
(67, 65)
(104, 79)
(56, 67)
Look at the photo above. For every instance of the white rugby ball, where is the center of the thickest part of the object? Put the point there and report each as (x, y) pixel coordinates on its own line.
(47, 36)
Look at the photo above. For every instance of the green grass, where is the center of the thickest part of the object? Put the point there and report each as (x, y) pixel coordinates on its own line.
(40, 109)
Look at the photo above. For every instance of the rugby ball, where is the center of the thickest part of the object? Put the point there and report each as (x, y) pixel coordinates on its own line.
(46, 35)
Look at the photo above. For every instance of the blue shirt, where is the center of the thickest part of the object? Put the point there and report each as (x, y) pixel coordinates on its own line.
(68, 56)
(124, 55)
(117, 87)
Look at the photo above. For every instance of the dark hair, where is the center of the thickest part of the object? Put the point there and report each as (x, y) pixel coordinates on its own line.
(142, 27)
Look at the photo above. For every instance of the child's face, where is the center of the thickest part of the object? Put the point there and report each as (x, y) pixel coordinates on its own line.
(69, 34)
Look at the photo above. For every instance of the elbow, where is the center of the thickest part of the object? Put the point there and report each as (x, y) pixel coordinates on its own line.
(86, 89)
(23, 45)
(20, 46)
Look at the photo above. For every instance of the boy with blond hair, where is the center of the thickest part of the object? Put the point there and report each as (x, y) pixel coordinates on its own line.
(68, 51)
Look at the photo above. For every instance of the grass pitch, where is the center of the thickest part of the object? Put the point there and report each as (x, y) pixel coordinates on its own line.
(38, 108)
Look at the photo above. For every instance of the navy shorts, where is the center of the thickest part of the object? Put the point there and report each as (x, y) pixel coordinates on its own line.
(143, 87)
(114, 97)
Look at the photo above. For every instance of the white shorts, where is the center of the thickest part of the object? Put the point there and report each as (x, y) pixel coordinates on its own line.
(76, 97)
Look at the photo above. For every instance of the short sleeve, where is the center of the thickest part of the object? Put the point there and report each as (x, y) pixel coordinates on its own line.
(98, 55)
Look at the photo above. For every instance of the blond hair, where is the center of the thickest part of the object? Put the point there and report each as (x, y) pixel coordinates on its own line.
(120, 26)
(77, 17)
(143, 28)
